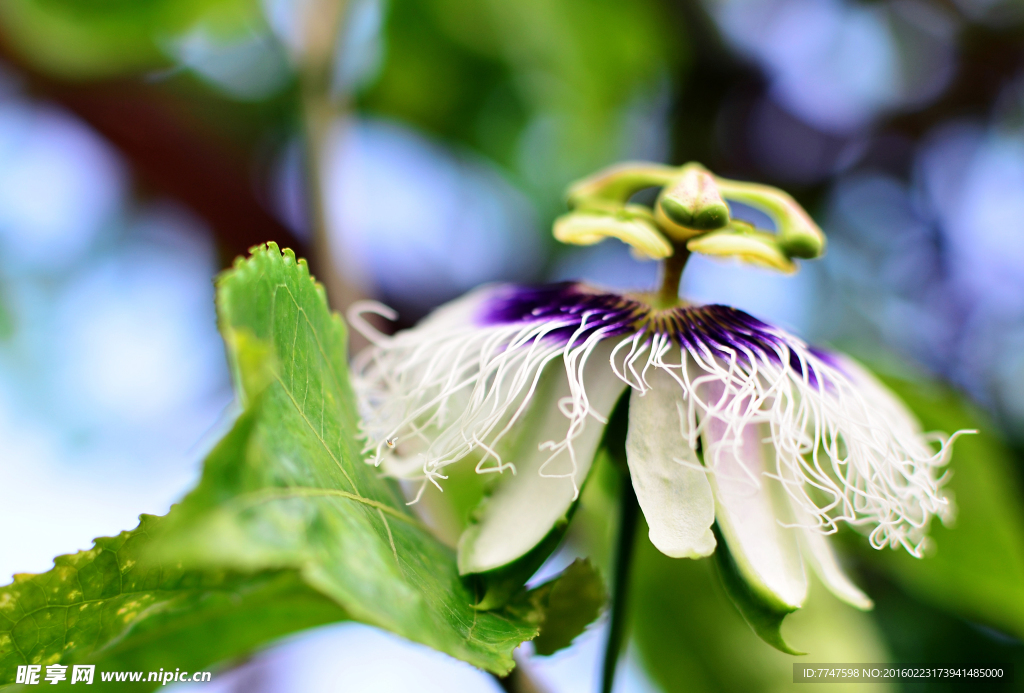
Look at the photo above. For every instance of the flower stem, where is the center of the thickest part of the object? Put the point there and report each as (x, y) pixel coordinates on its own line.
(323, 111)
(671, 275)
(629, 512)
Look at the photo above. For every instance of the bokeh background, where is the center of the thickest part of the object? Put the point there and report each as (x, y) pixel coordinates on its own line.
(423, 148)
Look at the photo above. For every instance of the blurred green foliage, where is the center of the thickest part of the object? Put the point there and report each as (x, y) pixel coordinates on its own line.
(691, 638)
(977, 568)
(544, 87)
(7, 320)
(917, 632)
(547, 89)
(106, 38)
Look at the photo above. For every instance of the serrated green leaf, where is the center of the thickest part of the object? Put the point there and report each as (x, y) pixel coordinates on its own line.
(562, 607)
(106, 607)
(570, 603)
(301, 496)
(764, 617)
(977, 568)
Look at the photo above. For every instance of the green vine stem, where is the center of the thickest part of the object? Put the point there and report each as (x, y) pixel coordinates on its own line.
(323, 111)
(629, 514)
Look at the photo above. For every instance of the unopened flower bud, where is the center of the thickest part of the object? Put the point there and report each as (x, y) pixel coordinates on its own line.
(691, 204)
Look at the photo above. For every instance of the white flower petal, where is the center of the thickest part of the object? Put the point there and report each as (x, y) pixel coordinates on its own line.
(818, 553)
(525, 507)
(672, 490)
(746, 507)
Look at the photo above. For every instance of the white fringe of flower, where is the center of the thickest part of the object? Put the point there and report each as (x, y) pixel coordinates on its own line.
(846, 450)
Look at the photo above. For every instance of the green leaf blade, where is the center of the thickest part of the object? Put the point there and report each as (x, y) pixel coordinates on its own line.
(573, 601)
(301, 496)
(107, 606)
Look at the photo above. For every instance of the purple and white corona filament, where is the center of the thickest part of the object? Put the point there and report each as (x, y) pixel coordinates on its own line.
(731, 420)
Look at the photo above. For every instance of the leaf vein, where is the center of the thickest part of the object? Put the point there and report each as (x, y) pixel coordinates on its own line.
(286, 493)
(318, 437)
